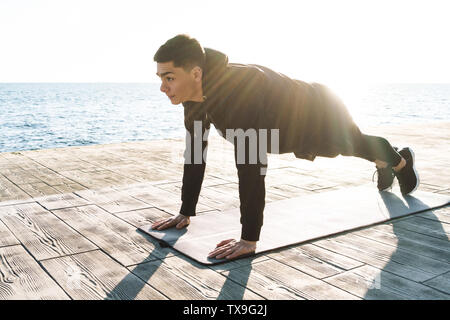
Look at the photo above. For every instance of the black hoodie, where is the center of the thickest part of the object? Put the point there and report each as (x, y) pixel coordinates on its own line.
(310, 119)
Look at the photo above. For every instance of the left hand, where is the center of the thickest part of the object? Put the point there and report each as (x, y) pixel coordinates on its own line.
(231, 248)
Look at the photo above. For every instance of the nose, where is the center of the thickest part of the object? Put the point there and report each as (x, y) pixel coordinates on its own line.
(163, 88)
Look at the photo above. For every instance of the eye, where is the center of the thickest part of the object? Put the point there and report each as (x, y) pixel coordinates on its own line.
(169, 79)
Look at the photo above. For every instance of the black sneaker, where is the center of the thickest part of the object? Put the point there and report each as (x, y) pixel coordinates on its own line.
(408, 178)
(385, 178)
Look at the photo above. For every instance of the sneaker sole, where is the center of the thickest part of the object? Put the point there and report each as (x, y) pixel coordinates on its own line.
(415, 171)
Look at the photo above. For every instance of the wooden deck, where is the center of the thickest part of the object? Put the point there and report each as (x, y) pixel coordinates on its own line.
(69, 218)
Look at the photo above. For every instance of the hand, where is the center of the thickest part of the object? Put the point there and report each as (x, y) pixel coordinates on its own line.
(231, 248)
(180, 221)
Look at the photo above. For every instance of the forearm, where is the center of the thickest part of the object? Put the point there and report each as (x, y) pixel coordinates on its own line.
(193, 175)
(252, 197)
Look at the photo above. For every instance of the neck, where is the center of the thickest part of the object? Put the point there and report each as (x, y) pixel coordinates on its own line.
(198, 95)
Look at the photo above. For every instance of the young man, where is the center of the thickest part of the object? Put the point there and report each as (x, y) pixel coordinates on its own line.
(311, 121)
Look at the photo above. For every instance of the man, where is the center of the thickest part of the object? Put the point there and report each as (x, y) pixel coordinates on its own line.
(310, 121)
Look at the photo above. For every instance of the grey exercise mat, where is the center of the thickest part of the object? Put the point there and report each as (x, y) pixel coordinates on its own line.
(297, 220)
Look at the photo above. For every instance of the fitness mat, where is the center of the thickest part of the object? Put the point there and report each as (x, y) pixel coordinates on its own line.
(297, 220)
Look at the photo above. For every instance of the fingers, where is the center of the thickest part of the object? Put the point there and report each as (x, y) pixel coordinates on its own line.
(227, 253)
(223, 242)
(220, 249)
(158, 223)
(178, 221)
(231, 249)
(164, 224)
(223, 249)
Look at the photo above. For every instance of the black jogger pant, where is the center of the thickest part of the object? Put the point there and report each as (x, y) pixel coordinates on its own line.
(376, 148)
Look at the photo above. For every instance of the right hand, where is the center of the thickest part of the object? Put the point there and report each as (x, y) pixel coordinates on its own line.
(180, 221)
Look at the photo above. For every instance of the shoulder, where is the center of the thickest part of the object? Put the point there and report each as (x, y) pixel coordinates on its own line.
(245, 75)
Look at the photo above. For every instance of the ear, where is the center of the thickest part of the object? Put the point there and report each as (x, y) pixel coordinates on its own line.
(197, 73)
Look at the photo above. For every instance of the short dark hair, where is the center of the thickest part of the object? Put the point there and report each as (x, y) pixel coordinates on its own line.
(183, 51)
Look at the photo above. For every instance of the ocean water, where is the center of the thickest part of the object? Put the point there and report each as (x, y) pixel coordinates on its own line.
(50, 115)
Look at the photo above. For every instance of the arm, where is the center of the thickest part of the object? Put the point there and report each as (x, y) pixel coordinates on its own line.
(193, 170)
(252, 196)
(194, 164)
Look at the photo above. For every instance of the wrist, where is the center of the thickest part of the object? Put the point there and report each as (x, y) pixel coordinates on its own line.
(249, 242)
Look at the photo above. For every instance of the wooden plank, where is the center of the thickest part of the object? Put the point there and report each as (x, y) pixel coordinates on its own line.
(410, 241)
(95, 276)
(59, 162)
(371, 283)
(439, 244)
(275, 280)
(48, 176)
(10, 193)
(288, 191)
(6, 236)
(182, 279)
(157, 197)
(59, 201)
(173, 204)
(403, 253)
(445, 191)
(441, 283)
(112, 200)
(7, 203)
(114, 236)
(315, 261)
(440, 215)
(142, 217)
(235, 264)
(304, 263)
(39, 189)
(97, 180)
(69, 188)
(23, 279)
(43, 234)
(425, 226)
(330, 257)
(392, 259)
(218, 200)
(152, 171)
(80, 177)
(19, 176)
(209, 198)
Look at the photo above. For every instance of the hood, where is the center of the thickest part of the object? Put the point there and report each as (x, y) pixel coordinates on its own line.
(215, 65)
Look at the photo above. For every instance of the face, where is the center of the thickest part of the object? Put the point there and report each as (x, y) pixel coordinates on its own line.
(179, 86)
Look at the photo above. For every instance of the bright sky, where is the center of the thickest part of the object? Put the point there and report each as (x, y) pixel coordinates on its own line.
(326, 41)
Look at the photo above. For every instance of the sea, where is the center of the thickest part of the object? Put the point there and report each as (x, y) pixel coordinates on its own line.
(50, 115)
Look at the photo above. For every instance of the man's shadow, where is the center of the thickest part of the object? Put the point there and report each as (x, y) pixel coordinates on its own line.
(128, 288)
(394, 205)
(235, 289)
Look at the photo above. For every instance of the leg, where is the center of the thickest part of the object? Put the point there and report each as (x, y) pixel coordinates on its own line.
(383, 164)
(389, 162)
(378, 150)
(342, 136)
